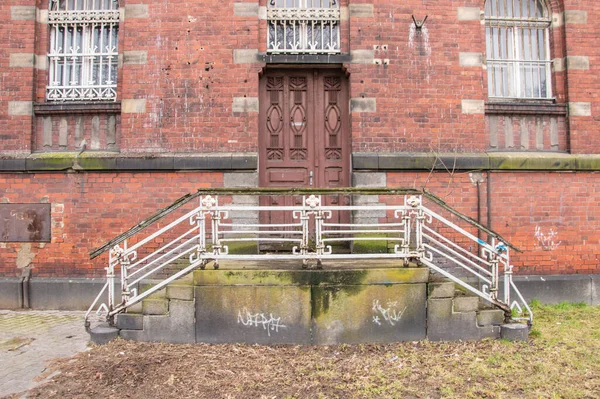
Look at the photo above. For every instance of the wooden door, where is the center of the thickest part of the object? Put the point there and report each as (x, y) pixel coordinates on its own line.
(304, 134)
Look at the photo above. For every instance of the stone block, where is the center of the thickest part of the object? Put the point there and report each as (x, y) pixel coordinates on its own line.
(130, 321)
(245, 104)
(185, 293)
(253, 314)
(369, 179)
(20, 108)
(365, 200)
(251, 200)
(103, 334)
(245, 56)
(491, 317)
(466, 304)
(136, 11)
(555, 289)
(135, 57)
(441, 290)
(135, 309)
(473, 107)
(361, 104)
(470, 59)
(360, 10)
(558, 64)
(22, 13)
(146, 285)
(365, 160)
(64, 293)
(362, 56)
(576, 17)
(312, 277)
(155, 306)
(468, 13)
(595, 291)
(578, 62)
(176, 328)
(514, 332)
(445, 325)
(235, 179)
(580, 109)
(245, 9)
(133, 106)
(10, 293)
(368, 313)
(21, 60)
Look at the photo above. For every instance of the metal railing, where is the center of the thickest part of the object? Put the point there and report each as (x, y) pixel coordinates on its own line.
(206, 233)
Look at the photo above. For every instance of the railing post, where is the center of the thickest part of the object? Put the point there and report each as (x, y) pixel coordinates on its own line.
(125, 262)
(216, 219)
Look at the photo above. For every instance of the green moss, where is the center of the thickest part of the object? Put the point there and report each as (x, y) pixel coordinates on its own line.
(97, 163)
(370, 246)
(529, 161)
(242, 248)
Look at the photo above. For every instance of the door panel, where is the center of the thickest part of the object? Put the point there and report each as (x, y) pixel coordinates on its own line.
(304, 134)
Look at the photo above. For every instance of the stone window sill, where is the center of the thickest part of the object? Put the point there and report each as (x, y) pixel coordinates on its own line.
(525, 108)
(77, 108)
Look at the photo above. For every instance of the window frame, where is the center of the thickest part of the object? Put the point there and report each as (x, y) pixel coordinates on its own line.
(516, 64)
(303, 16)
(72, 71)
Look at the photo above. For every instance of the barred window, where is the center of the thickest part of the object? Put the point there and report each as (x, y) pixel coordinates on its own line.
(303, 26)
(83, 53)
(518, 50)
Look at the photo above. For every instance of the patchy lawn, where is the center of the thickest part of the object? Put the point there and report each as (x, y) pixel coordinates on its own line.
(561, 360)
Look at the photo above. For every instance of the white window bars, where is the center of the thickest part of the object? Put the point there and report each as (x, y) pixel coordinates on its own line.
(303, 26)
(83, 52)
(518, 49)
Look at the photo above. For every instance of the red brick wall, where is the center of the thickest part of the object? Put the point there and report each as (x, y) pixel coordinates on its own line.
(189, 80)
(88, 209)
(16, 84)
(552, 217)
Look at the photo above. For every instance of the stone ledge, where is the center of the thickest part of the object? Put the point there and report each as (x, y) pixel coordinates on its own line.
(107, 161)
(58, 108)
(304, 58)
(550, 161)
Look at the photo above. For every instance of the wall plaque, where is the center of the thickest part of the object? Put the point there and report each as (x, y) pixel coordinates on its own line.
(25, 223)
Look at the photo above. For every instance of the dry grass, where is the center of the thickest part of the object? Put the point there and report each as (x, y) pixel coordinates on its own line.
(561, 360)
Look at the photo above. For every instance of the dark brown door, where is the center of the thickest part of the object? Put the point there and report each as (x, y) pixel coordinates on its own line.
(304, 133)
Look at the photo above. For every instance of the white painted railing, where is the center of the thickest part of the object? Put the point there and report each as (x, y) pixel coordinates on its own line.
(417, 234)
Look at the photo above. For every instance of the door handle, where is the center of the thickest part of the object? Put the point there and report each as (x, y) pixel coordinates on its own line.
(310, 178)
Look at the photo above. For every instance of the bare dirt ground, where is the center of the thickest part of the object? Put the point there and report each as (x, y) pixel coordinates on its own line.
(561, 360)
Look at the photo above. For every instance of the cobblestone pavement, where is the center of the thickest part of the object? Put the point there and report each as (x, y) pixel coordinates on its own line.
(29, 339)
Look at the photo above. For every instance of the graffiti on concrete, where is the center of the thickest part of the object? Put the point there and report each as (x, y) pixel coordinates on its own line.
(390, 314)
(548, 241)
(268, 323)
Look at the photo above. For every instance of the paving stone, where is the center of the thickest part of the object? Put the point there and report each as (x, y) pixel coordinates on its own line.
(51, 334)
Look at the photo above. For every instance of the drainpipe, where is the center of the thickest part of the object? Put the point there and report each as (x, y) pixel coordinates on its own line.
(24, 302)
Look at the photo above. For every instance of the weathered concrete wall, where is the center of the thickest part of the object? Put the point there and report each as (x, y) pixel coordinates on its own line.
(290, 307)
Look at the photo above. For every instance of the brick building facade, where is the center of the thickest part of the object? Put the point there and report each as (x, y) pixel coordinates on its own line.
(108, 117)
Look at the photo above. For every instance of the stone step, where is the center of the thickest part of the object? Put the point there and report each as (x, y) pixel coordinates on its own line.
(490, 317)
(466, 304)
(155, 306)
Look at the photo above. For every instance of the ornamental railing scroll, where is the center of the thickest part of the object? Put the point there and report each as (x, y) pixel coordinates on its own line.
(205, 233)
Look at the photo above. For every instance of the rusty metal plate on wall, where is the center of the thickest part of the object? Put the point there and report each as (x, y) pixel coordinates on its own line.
(25, 223)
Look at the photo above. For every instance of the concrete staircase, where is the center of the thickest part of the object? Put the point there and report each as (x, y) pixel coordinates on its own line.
(453, 315)
(167, 315)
